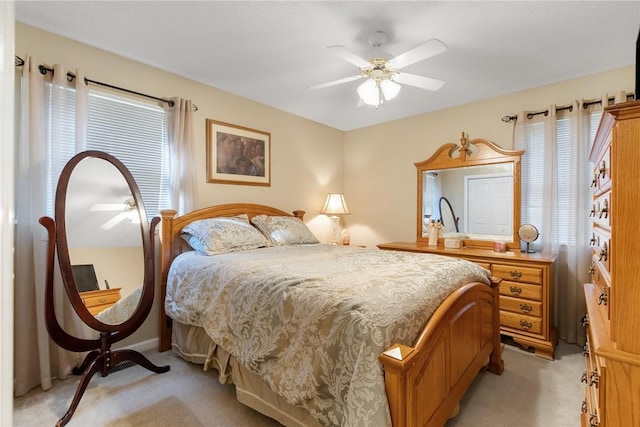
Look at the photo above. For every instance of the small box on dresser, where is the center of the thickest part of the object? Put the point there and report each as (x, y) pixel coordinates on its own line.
(612, 372)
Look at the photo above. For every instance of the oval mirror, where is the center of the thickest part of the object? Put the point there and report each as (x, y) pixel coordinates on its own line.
(103, 242)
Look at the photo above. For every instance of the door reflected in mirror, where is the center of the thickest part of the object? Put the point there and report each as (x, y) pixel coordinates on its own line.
(104, 240)
(475, 202)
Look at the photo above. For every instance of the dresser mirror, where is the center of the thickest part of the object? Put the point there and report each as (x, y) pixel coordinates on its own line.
(474, 189)
(99, 230)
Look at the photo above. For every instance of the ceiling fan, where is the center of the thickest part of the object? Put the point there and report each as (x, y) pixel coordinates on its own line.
(383, 75)
(128, 210)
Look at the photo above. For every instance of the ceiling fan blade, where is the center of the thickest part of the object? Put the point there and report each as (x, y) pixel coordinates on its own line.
(337, 82)
(349, 56)
(114, 221)
(425, 50)
(108, 207)
(418, 81)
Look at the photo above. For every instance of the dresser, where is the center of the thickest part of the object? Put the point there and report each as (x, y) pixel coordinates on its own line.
(526, 291)
(97, 301)
(612, 372)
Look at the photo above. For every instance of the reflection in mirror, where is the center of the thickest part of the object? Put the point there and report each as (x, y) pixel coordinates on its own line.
(474, 189)
(104, 240)
(483, 195)
(448, 218)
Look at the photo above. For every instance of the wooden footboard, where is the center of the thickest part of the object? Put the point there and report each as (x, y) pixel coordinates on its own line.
(425, 382)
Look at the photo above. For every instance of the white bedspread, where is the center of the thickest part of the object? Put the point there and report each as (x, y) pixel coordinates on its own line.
(312, 320)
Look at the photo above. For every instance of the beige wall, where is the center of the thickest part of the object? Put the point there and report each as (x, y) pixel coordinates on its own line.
(380, 176)
(373, 166)
(307, 157)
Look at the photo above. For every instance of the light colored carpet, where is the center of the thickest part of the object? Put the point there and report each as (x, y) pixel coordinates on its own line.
(531, 392)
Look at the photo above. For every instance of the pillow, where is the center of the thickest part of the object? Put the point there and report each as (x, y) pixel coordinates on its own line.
(284, 230)
(223, 234)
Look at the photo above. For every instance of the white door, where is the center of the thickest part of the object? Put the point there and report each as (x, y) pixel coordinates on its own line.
(489, 207)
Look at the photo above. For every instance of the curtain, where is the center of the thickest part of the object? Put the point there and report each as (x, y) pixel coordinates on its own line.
(556, 198)
(179, 118)
(48, 104)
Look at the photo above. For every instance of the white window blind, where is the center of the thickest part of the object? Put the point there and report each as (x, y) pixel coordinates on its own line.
(135, 133)
(567, 202)
(132, 131)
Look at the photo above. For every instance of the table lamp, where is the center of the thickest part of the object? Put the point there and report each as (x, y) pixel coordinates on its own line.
(334, 206)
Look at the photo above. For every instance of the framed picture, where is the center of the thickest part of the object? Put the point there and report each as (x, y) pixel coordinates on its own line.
(238, 155)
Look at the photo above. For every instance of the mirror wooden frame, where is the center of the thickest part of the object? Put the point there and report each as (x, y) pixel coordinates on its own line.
(100, 357)
(475, 152)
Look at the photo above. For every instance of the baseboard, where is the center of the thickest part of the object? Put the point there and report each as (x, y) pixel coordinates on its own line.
(143, 346)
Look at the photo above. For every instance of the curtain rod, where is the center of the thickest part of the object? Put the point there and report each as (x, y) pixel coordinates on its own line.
(508, 119)
(19, 62)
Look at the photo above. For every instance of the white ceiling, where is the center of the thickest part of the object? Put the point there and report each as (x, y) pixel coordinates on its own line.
(273, 51)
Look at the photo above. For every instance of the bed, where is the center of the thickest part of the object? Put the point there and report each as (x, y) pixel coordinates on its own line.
(314, 334)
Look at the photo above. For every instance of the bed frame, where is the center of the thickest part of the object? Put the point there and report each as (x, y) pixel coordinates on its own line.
(424, 382)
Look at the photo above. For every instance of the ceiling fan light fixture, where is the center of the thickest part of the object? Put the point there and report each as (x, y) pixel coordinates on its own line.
(369, 92)
(390, 89)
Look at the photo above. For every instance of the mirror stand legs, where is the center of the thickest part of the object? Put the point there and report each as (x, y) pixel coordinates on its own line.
(103, 361)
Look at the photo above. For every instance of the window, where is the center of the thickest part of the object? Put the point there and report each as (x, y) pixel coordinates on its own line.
(568, 203)
(135, 133)
(132, 131)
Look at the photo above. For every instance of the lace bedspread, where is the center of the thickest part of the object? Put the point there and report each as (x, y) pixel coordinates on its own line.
(312, 320)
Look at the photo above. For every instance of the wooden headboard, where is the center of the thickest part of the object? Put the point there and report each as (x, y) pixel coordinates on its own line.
(172, 245)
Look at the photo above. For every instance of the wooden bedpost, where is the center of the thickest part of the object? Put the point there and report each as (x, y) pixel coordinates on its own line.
(496, 364)
(299, 214)
(166, 256)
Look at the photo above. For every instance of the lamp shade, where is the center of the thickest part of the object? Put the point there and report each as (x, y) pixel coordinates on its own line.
(389, 89)
(369, 92)
(335, 205)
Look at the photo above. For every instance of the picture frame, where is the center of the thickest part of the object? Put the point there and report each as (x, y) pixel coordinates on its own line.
(237, 154)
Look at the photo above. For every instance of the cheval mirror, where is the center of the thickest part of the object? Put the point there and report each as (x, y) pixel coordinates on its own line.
(474, 190)
(101, 231)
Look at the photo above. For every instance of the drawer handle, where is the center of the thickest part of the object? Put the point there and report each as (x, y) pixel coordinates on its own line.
(584, 406)
(585, 320)
(605, 210)
(592, 241)
(515, 275)
(603, 252)
(583, 378)
(526, 308)
(594, 377)
(515, 290)
(102, 300)
(525, 325)
(602, 299)
(593, 420)
(585, 350)
(594, 182)
(603, 169)
(592, 213)
(592, 270)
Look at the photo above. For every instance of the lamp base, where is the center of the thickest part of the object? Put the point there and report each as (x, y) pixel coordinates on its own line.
(335, 227)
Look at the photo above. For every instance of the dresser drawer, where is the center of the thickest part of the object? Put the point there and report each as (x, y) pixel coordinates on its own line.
(601, 249)
(521, 290)
(521, 322)
(520, 306)
(601, 210)
(517, 273)
(97, 301)
(602, 172)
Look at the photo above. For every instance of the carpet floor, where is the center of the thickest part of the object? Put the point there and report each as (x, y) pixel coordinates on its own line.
(531, 392)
